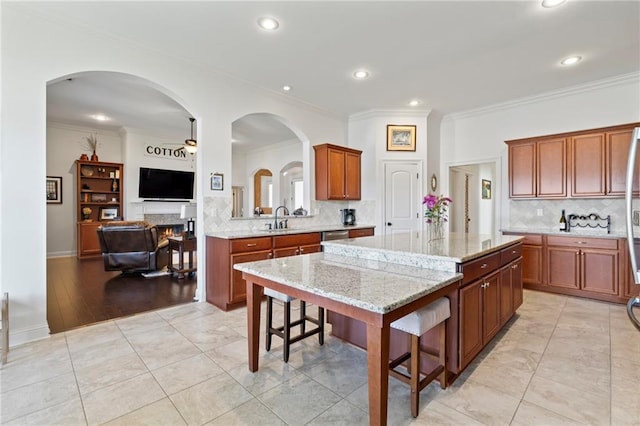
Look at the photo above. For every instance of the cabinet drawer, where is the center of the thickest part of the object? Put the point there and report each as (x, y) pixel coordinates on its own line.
(356, 233)
(296, 240)
(479, 267)
(510, 253)
(532, 240)
(250, 244)
(581, 242)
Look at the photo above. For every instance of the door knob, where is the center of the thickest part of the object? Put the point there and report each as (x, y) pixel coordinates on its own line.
(388, 223)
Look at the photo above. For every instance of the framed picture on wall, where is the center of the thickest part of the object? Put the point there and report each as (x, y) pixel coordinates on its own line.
(401, 138)
(486, 189)
(217, 181)
(54, 190)
(108, 213)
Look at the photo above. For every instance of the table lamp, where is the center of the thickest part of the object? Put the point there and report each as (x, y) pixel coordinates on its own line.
(189, 211)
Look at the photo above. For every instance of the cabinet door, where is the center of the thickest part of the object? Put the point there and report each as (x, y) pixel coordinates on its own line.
(551, 173)
(522, 170)
(352, 176)
(588, 165)
(491, 307)
(88, 242)
(238, 291)
(562, 267)
(336, 178)
(470, 322)
(516, 283)
(285, 252)
(599, 271)
(617, 156)
(506, 294)
(532, 264)
(311, 248)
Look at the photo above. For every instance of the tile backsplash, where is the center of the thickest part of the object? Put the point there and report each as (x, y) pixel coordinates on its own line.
(524, 213)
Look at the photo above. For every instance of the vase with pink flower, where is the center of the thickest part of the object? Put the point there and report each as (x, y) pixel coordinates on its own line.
(435, 214)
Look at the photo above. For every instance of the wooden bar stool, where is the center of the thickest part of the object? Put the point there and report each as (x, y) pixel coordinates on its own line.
(284, 331)
(416, 324)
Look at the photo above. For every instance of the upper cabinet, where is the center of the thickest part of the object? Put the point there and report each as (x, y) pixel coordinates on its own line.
(537, 168)
(585, 164)
(337, 172)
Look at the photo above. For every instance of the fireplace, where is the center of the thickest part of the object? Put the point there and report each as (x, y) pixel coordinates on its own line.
(170, 229)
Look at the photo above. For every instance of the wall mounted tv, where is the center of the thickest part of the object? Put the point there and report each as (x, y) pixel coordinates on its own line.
(159, 184)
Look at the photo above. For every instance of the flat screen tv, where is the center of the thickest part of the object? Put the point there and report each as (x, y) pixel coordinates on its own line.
(159, 184)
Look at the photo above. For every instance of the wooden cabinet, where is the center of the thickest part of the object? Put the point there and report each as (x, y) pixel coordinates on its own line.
(583, 265)
(292, 245)
(337, 172)
(594, 163)
(363, 232)
(532, 260)
(537, 168)
(98, 198)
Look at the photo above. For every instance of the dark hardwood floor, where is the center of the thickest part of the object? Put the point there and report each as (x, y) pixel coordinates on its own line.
(81, 292)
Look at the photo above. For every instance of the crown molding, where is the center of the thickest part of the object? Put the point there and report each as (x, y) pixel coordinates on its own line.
(386, 113)
(571, 90)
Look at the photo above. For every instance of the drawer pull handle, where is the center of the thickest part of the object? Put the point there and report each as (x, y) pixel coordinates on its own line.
(513, 252)
(252, 245)
(514, 267)
(483, 266)
(582, 242)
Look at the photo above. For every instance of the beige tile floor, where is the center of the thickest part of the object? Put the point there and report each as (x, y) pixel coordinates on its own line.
(561, 360)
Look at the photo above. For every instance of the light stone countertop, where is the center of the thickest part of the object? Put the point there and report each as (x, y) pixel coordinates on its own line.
(371, 285)
(576, 232)
(413, 249)
(247, 233)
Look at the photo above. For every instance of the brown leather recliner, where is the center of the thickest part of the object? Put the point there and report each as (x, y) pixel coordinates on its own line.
(132, 247)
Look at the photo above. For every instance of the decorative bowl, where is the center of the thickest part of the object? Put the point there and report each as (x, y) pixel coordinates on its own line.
(86, 171)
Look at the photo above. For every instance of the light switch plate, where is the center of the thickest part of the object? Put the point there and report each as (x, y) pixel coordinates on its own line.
(636, 217)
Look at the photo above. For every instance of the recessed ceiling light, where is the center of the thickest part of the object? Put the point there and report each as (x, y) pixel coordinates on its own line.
(552, 3)
(286, 88)
(100, 117)
(269, 24)
(414, 102)
(361, 74)
(571, 60)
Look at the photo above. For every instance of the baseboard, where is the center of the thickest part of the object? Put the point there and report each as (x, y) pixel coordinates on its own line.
(26, 335)
(61, 254)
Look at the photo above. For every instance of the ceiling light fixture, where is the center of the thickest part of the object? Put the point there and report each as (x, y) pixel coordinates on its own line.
(552, 3)
(571, 60)
(191, 145)
(360, 74)
(286, 88)
(100, 117)
(414, 102)
(269, 24)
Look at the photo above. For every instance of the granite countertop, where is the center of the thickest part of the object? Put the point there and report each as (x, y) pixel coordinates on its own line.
(371, 285)
(576, 232)
(413, 248)
(247, 233)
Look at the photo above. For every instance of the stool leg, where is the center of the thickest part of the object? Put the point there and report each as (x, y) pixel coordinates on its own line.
(415, 375)
(303, 316)
(269, 322)
(287, 329)
(321, 325)
(442, 355)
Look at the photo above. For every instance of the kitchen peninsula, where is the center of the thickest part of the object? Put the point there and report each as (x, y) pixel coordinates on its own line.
(369, 282)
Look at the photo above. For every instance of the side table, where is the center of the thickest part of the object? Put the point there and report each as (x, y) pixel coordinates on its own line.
(182, 245)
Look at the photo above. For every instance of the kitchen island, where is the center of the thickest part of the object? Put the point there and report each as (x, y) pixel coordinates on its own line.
(369, 282)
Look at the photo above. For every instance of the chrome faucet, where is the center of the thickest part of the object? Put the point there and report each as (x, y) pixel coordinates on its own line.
(275, 219)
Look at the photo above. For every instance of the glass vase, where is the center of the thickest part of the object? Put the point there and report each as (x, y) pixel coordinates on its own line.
(435, 231)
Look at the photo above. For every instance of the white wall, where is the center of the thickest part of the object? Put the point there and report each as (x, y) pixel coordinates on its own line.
(36, 50)
(478, 136)
(65, 144)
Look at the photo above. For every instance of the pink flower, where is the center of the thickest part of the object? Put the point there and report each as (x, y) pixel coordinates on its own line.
(436, 208)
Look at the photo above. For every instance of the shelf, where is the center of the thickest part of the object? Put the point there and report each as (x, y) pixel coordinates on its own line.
(91, 191)
(99, 177)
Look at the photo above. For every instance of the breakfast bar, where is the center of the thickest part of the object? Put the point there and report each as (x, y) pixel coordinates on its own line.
(376, 293)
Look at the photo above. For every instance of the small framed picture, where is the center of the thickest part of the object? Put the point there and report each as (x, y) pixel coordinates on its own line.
(401, 138)
(217, 181)
(54, 190)
(108, 213)
(486, 189)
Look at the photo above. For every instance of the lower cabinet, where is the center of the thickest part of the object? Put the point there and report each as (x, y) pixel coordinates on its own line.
(532, 255)
(88, 242)
(292, 245)
(510, 289)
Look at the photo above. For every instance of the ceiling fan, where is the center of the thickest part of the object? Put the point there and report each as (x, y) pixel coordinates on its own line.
(190, 145)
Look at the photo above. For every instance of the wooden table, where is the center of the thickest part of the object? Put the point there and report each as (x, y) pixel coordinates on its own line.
(182, 245)
(306, 283)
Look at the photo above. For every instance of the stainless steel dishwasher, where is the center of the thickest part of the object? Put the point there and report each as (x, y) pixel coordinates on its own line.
(335, 235)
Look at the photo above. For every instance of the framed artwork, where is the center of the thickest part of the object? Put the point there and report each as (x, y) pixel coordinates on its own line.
(54, 189)
(486, 189)
(401, 138)
(217, 181)
(108, 213)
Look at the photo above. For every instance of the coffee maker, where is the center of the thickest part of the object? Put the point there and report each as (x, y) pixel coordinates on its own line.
(348, 217)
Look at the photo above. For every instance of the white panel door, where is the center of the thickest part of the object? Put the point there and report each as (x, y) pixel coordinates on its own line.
(402, 199)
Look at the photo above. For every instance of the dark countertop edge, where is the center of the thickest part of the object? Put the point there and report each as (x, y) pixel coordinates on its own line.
(232, 235)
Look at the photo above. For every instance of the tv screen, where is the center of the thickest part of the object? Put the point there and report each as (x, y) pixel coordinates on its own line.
(158, 184)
